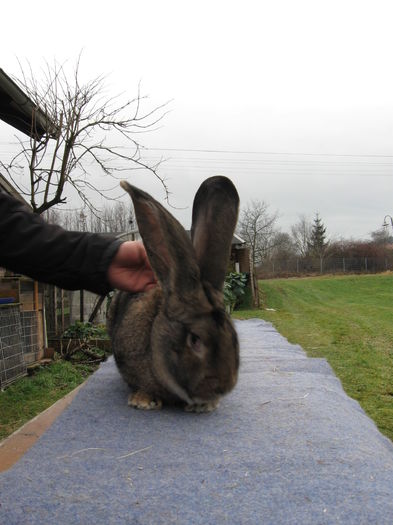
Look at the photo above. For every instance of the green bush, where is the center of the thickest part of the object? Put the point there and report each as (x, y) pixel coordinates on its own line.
(234, 289)
(85, 331)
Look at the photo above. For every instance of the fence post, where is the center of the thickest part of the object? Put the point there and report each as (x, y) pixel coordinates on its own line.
(55, 324)
(62, 310)
(81, 306)
(365, 263)
(344, 264)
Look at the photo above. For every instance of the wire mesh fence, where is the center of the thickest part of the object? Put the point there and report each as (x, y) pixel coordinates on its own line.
(331, 265)
(20, 342)
(30, 336)
(12, 361)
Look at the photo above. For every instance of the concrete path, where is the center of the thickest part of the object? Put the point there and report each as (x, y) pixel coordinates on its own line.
(287, 446)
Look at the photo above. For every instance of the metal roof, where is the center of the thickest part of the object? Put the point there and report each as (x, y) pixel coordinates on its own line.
(9, 188)
(19, 111)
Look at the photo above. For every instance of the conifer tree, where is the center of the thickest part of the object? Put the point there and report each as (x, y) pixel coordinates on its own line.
(318, 242)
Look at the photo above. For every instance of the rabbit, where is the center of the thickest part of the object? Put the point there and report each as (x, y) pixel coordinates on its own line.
(175, 343)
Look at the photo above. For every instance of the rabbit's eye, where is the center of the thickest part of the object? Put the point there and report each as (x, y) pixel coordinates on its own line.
(194, 341)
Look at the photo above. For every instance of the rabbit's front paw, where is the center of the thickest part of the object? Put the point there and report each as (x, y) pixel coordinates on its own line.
(207, 406)
(144, 401)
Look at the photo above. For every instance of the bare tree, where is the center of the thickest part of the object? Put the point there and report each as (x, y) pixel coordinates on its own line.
(257, 227)
(381, 236)
(85, 130)
(284, 247)
(115, 218)
(301, 235)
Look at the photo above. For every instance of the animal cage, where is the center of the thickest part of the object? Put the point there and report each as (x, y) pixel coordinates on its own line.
(12, 361)
(21, 327)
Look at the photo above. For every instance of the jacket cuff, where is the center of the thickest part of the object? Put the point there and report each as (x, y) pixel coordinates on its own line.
(105, 262)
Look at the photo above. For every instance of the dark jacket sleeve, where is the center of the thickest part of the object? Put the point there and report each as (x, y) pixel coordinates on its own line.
(50, 254)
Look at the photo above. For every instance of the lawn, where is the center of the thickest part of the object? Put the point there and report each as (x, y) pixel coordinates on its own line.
(349, 321)
(30, 395)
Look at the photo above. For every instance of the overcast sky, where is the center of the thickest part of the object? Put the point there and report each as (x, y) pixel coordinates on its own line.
(293, 100)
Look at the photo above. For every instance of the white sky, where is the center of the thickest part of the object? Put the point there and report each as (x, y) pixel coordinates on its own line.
(294, 98)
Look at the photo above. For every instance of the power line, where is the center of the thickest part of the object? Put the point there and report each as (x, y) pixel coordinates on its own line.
(244, 152)
(265, 162)
(283, 153)
(227, 169)
(334, 166)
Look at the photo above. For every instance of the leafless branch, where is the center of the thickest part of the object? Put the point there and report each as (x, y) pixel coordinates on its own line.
(89, 129)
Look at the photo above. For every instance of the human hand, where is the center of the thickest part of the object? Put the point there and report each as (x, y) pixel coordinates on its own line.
(130, 269)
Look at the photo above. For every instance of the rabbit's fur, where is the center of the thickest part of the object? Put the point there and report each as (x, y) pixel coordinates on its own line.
(175, 343)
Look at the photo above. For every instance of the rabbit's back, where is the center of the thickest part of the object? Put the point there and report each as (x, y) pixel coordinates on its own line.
(129, 324)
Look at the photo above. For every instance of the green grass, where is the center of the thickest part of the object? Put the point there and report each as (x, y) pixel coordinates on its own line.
(30, 395)
(349, 321)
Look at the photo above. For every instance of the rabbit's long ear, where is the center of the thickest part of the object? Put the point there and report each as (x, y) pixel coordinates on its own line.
(214, 218)
(167, 244)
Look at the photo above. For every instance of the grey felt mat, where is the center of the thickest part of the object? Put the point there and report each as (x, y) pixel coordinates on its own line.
(287, 446)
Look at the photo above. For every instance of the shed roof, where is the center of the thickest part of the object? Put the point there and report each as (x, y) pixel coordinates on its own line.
(6, 186)
(17, 110)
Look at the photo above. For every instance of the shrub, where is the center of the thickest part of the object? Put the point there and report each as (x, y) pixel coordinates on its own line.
(234, 289)
(85, 331)
(84, 343)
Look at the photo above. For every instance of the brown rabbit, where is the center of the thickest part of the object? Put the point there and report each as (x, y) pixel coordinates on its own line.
(176, 343)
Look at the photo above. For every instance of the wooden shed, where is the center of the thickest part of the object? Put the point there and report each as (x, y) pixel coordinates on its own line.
(22, 322)
(22, 311)
(240, 255)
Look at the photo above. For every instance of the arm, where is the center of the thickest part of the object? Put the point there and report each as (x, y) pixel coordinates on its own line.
(71, 260)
